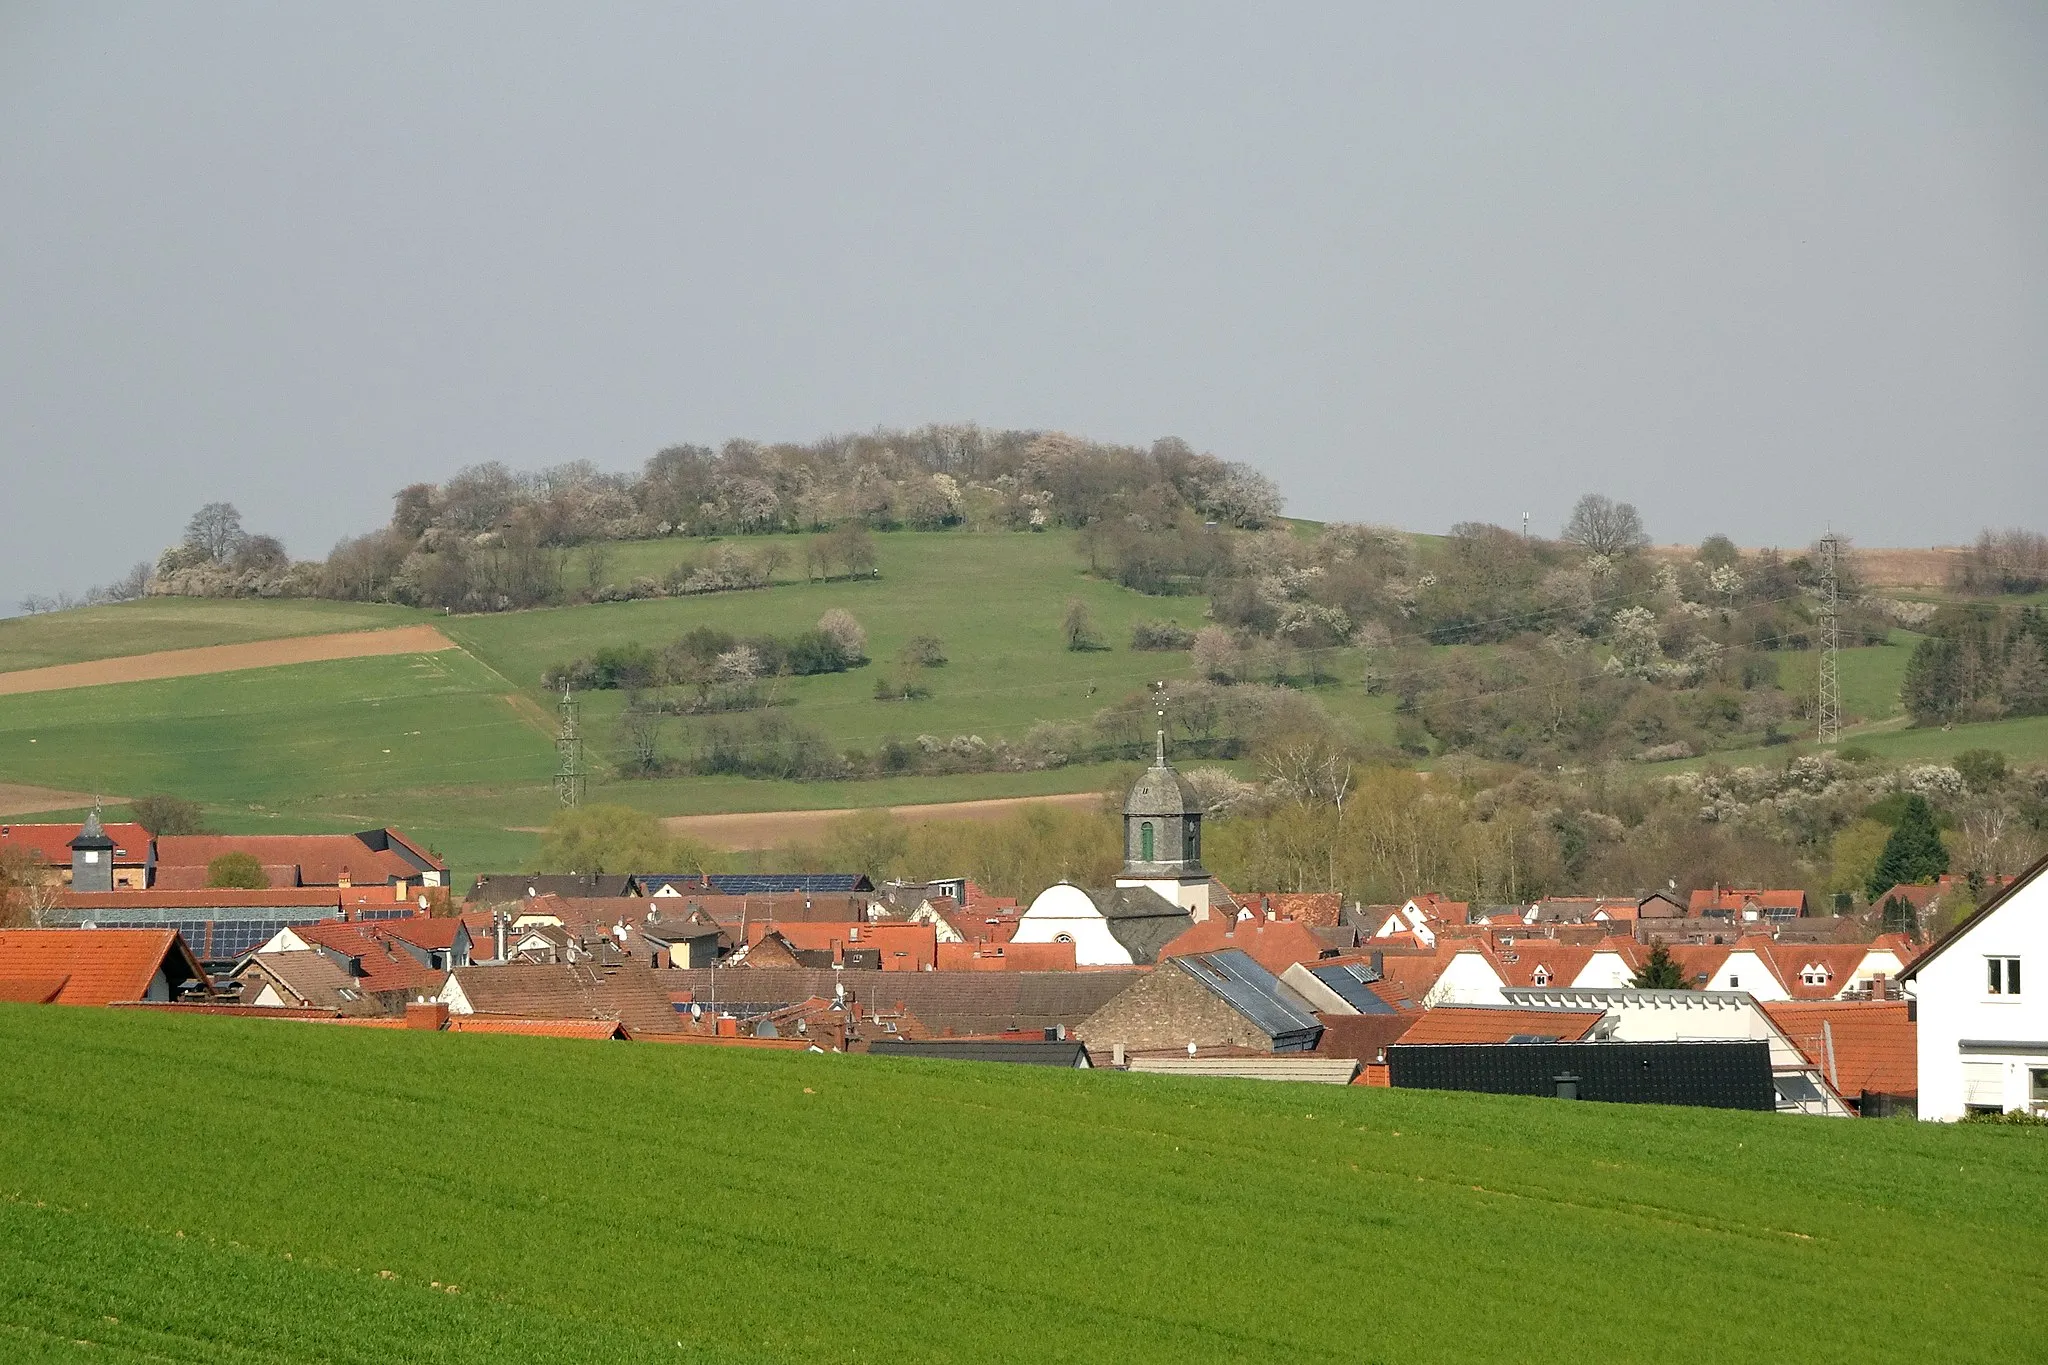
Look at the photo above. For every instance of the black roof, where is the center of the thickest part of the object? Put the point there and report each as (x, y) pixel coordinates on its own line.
(1071, 1054)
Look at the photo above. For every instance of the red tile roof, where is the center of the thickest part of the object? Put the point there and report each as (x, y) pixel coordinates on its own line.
(1491, 1024)
(320, 859)
(52, 843)
(1832, 964)
(1006, 957)
(31, 990)
(385, 967)
(1733, 899)
(97, 966)
(1319, 908)
(1875, 1045)
(1275, 945)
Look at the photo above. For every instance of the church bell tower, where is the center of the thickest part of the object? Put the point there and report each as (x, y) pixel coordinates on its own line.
(1163, 837)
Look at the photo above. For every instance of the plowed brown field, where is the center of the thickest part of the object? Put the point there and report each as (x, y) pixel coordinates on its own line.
(187, 663)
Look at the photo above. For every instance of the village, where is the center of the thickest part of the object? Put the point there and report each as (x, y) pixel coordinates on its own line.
(1720, 996)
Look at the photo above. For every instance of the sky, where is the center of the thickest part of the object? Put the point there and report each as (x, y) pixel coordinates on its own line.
(1759, 268)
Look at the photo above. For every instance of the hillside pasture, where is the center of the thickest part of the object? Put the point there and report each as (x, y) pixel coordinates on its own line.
(336, 1198)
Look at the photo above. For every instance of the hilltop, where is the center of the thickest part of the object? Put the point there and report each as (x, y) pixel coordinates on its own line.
(496, 1198)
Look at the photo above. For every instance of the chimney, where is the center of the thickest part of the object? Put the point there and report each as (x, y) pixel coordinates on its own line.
(1379, 963)
(342, 880)
(728, 1027)
(499, 919)
(427, 1014)
(1877, 985)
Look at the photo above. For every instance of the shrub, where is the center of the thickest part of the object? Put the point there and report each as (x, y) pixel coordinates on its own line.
(814, 651)
(925, 651)
(1161, 635)
(846, 633)
(1078, 629)
(238, 870)
(168, 815)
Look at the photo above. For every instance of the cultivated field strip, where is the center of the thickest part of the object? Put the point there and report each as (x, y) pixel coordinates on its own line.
(191, 663)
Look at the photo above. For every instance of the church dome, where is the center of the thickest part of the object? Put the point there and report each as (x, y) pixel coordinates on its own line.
(1160, 790)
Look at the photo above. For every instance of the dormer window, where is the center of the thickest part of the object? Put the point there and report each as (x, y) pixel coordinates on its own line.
(1814, 974)
(1541, 976)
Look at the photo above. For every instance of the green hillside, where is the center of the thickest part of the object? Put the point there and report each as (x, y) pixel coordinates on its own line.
(396, 1196)
(458, 745)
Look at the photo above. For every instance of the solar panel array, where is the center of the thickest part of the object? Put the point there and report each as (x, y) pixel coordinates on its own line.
(394, 912)
(762, 883)
(1349, 980)
(212, 941)
(1273, 1008)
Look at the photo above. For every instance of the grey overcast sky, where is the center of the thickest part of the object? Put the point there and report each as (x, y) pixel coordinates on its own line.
(1756, 267)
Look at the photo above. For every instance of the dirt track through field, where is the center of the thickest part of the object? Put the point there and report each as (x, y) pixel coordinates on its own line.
(190, 663)
(19, 799)
(767, 829)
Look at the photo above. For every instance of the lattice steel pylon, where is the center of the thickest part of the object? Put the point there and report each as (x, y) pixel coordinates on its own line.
(569, 744)
(1828, 705)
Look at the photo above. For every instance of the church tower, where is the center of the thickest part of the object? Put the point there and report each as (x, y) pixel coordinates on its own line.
(1163, 837)
(92, 856)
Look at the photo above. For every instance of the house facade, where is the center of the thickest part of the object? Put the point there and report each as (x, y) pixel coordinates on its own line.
(1981, 1001)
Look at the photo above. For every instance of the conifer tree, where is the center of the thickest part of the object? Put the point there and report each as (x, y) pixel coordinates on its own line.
(1660, 973)
(1912, 854)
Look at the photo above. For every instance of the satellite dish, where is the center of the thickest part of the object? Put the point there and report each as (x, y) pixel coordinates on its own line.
(423, 900)
(1191, 1047)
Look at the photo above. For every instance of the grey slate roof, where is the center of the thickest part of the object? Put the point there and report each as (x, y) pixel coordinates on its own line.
(1349, 980)
(1141, 919)
(1160, 790)
(945, 1002)
(1261, 997)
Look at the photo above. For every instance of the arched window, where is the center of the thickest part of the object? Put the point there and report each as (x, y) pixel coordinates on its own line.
(1145, 842)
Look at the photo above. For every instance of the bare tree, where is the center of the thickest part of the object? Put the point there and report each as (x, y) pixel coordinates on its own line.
(1604, 526)
(28, 888)
(215, 530)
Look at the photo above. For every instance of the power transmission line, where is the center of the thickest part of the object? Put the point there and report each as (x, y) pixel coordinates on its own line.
(1828, 707)
(569, 744)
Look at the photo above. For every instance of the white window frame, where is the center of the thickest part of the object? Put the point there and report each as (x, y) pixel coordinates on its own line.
(2002, 978)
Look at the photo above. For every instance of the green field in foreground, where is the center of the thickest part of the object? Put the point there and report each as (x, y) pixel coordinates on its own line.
(182, 1189)
(155, 623)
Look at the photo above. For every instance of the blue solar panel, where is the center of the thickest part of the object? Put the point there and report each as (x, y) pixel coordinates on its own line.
(1349, 981)
(1251, 990)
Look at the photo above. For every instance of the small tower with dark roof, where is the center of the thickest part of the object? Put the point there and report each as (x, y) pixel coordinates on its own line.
(1163, 837)
(92, 856)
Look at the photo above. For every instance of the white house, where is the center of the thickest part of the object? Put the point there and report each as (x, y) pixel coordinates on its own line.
(1981, 1001)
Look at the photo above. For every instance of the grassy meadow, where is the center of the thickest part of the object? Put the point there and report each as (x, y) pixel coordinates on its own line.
(184, 1189)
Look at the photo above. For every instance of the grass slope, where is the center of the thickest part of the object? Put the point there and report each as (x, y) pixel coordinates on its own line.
(181, 1189)
(996, 600)
(318, 747)
(157, 623)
